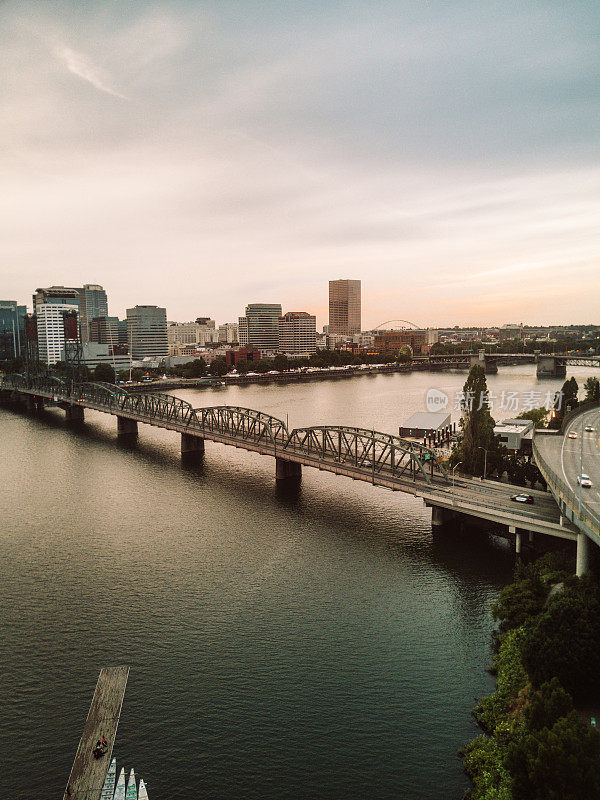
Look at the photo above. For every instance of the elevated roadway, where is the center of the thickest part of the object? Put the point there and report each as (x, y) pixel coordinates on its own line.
(562, 459)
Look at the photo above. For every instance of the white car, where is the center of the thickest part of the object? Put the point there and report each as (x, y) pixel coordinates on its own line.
(584, 480)
(589, 429)
(572, 434)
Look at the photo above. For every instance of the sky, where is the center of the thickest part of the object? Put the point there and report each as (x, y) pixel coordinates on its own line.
(205, 155)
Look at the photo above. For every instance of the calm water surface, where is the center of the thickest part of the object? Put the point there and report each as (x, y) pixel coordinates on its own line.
(306, 644)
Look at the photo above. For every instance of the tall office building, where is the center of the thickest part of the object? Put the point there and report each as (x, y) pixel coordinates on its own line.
(298, 333)
(93, 304)
(90, 299)
(104, 330)
(147, 332)
(260, 327)
(51, 330)
(12, 329)
(344, 307)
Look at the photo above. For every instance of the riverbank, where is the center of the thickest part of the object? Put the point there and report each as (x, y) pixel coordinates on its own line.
(535, 744)
(291, 376)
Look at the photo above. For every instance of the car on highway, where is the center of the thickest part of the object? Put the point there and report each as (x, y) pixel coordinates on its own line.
(584, 480)
(572, 434)
(589, 429)
(522, 498)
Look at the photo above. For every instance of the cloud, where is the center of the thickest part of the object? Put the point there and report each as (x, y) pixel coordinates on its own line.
(78, 64)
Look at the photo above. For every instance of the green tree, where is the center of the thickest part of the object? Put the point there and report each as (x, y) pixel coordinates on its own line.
(197, 368)
(262, 366)
(547, 706)
(219, 367)
(562, 641)
(536, 415)
(561, 762)
(104, 373)
(592, 390)
(243, 367)
(519, 601)
(281, 363)
(566, 400)
(477, 427)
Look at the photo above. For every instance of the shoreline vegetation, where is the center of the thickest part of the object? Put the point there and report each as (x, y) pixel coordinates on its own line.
(536, 744)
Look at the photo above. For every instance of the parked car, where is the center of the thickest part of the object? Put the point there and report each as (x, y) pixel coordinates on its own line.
(522, 498)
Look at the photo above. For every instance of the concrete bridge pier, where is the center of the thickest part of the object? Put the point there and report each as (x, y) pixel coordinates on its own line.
(192, 447)
(126, 427)
(441, 516)
(582, 562)
(287, 470)
(518, 538)
(30, 403)
(74, 413)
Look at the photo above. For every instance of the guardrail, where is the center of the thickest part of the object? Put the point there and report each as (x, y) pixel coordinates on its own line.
(560, 489)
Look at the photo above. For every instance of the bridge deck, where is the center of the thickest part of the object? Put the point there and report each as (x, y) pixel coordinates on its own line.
(88, 773)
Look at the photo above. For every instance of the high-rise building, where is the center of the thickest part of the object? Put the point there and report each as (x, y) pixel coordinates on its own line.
(12, 329)
(298, 333)
(344, 307)
(104, 330)
(260, 327)
(90, 299)
(93, 303)
(51, 330)
(147, 332)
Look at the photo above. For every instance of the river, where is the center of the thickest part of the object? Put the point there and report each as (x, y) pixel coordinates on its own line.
(309, 643)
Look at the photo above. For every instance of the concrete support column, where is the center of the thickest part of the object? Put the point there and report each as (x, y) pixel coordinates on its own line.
(513, 529)
(286, 470)
(582, 565)
(530, 536)
(74, 413)
(126, 427)
(191, 446)
(30, 403)
(438, 516)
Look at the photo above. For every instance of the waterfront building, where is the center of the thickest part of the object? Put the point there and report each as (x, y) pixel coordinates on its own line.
(12, 329)
(297, 333)
(344, 307)
(260, 327)
(50, 318)
(94, 353)
(147, 331)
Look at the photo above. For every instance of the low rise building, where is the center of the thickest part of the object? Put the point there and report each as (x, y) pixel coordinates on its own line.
(425, 424)
(235, 355)
(516, 434)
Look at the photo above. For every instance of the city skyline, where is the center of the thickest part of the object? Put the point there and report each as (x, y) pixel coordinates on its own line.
(249, 153)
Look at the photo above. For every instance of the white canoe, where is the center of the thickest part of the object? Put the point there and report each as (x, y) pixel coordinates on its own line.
(120, 790)
(142, 791)
(131, 787)
(109, 782)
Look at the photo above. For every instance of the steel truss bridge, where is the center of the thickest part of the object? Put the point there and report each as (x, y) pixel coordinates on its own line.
(362, 454)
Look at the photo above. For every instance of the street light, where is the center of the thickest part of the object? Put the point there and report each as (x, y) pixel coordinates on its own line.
(484, 461)
(453, 475)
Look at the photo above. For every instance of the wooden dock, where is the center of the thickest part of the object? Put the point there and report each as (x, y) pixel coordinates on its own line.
(88, 773)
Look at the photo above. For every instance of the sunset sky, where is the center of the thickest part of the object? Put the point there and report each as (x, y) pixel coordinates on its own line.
(203, 155)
